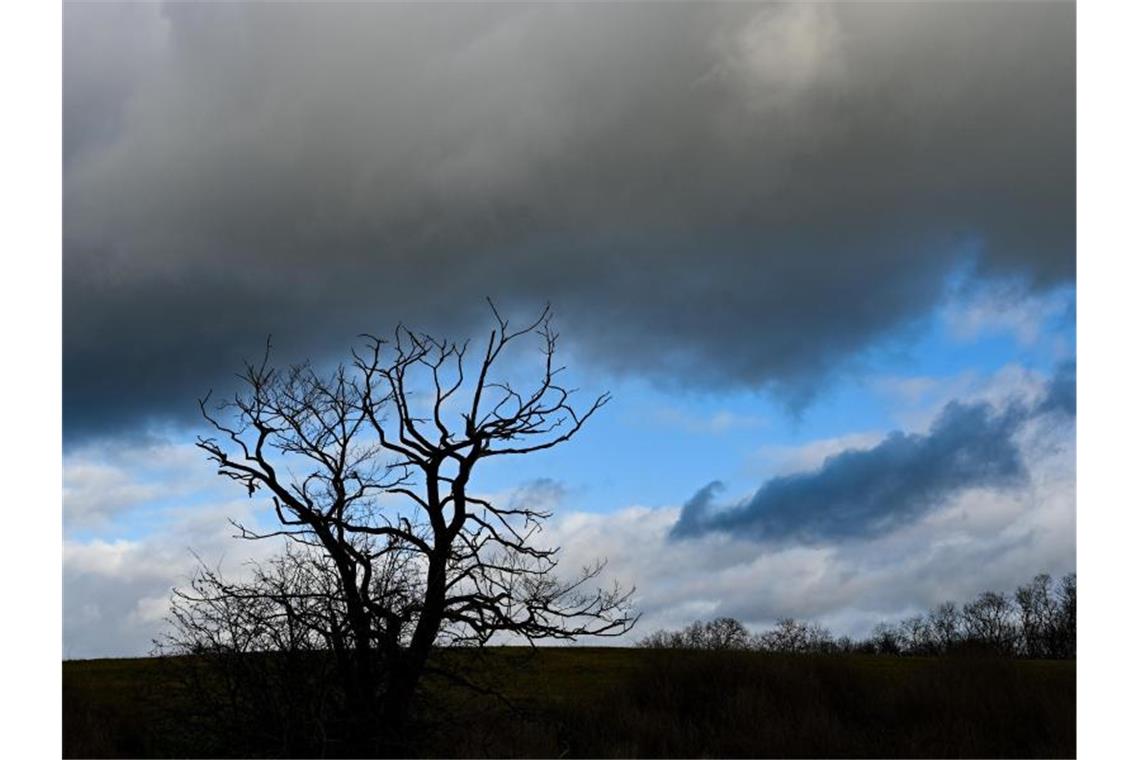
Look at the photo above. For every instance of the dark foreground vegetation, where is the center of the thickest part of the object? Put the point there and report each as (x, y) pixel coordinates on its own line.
(609, 702)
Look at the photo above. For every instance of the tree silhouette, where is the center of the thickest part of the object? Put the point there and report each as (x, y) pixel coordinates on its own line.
(989, 621)
(1068, 616)
(722, 633)
(945, 623)
(1039, 614)
(795, 636)
(1044, 624)
(369, 471)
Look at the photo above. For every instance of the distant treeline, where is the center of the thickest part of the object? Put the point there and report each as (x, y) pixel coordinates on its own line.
(1039, 620)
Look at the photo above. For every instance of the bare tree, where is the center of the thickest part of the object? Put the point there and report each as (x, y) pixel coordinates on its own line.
(1039, 614)
(1067, 617)
(918, 638)
(660, 639)
(722, 633)
(945, 622)
(989, 622)
(886, 639)
(725, 633)
(258, 671)
(844, 645)
(795, 637)
(1043, 624)
(370, 467)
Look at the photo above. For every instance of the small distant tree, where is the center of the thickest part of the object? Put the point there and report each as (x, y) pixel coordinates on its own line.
(1038, 616)
(725, 633)
(370, 468)
(819, 639)
(886, 639)
(990, 623)
(1066, 625)
(844, 645)
(945, 624)
(795, 637)
(660, 639)
(692, 636)
(916, 636)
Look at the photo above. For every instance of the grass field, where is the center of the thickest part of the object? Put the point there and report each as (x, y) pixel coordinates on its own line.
(608, 702)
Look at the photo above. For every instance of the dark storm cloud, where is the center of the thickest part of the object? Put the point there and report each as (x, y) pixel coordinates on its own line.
(861, 493)
(710, 195)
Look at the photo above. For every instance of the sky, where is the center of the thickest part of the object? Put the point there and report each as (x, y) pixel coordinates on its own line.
(821, 255)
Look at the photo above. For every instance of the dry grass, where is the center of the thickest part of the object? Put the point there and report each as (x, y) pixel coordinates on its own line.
(598, 702)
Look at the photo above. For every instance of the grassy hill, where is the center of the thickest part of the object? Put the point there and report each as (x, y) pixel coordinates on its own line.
(609, 702)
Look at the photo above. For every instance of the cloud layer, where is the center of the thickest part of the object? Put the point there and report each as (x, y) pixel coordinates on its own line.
(870, 491)
(116, 587)
(712, 195)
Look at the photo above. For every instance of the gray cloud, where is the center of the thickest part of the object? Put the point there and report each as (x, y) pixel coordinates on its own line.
(711, 195)
(867, 492)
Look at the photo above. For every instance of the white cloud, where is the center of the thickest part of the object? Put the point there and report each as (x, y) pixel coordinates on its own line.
(772, 460)
(917, 400)
(99, 557)
(116, 592)
(94, 492)
(104, 481)
(1005, 307)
